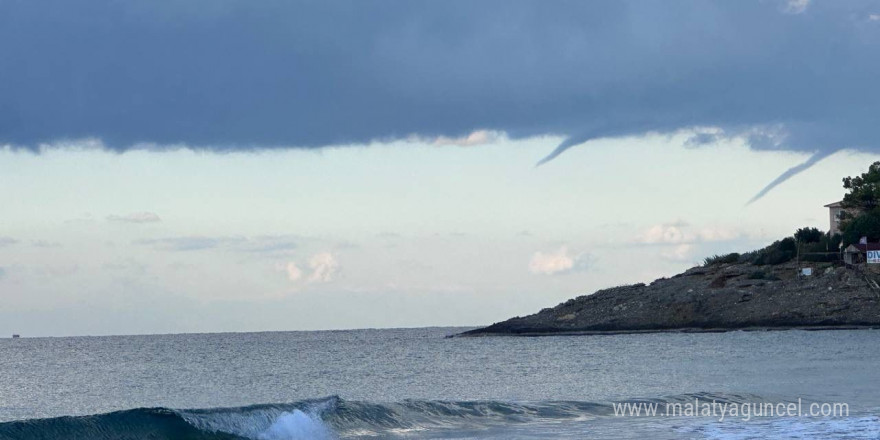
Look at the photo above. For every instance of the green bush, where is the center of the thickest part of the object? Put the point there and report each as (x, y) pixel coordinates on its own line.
(788, 244)
(866, 224)
(781, 251)
(774, 257)
(822, 246)
(834, 242)
(748, 257)
(827, 243)
(721, 259)
(819, 258)
(808, 235)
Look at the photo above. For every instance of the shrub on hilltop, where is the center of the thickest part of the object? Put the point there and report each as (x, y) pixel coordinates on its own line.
(808, 235)
(721, 259)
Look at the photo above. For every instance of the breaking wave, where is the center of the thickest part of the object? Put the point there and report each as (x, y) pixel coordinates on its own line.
(321, 419)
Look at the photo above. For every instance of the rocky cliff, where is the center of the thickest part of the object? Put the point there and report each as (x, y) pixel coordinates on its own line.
(714, 298)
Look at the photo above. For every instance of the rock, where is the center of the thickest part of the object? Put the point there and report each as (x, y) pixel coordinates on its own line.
(718, 282)
(702, 299)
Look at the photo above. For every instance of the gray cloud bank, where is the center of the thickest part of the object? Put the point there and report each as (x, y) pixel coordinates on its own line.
(239, 75)
(256, 245)
(7, 241)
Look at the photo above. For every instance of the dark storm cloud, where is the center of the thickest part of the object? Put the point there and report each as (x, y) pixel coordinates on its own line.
(238, 75)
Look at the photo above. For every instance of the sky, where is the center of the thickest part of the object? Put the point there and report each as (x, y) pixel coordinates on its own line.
(236, 166)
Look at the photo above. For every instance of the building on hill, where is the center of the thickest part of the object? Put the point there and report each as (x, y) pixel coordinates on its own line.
(835, 210)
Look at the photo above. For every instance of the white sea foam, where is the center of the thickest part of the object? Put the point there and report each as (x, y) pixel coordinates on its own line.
(867, 427)
(263, 423)
(297, 425)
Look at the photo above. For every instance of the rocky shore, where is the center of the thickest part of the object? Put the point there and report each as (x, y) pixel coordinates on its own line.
(714, 298)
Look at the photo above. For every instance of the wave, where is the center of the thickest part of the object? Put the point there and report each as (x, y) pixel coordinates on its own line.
(321, 419)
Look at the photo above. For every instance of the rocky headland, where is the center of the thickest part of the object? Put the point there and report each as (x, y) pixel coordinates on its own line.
(714, 297)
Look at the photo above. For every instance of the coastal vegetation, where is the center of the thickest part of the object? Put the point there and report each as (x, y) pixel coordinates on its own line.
(861, 203)
(861, 218)
(809, 244)
(761, 289)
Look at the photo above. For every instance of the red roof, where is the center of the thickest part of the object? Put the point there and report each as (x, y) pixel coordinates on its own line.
(868, 247)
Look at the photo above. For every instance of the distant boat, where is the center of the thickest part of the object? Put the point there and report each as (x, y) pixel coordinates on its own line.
(16, 336)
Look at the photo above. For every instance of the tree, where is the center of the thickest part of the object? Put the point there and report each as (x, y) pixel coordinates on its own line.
(779, 252)
(862, 201)
(866, 224)
(864, 190)
(808, 235)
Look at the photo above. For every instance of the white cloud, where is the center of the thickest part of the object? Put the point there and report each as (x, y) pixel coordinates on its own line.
(874, 17)
(667, 234)
(682, 233)
(680, 242)
(681, 252)
(479, 137)
(718, 233)
(558, 262)
(796, 6)
(324, 267)
(293, 271)
(135, 217)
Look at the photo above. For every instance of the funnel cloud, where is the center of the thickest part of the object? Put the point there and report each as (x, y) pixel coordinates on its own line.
(235, 75)
(791, 172)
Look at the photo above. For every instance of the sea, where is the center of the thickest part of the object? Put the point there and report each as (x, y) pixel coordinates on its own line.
(419, 384)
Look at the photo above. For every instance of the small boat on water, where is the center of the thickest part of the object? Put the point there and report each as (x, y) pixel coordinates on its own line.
(14, 336)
